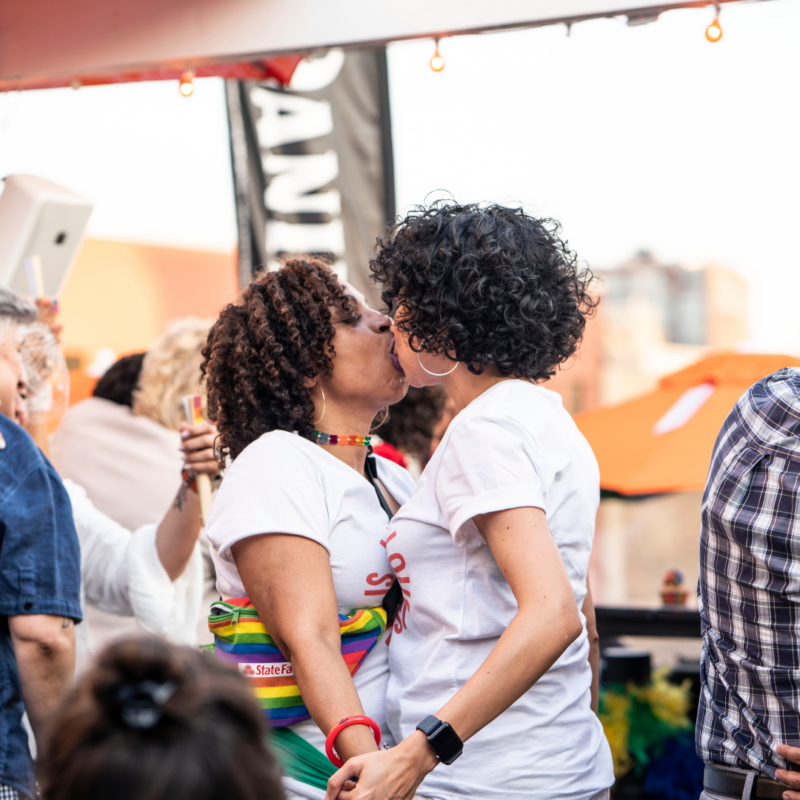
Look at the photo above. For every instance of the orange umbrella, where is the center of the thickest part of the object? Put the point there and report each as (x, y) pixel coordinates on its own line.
(662, 441)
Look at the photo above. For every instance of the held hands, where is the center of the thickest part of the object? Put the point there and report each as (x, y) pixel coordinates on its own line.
(199, 455)
(386, 775)
(791, 779)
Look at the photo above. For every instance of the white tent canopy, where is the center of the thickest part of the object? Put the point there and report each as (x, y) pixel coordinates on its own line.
(54, 39)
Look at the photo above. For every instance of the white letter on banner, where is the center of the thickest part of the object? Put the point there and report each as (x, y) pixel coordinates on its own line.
(284, 237)
(289, 118)
(313, 74)
(294, 178)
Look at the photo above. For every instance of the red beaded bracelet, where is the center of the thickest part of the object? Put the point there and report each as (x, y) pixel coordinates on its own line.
(339, 727)
(189, 479)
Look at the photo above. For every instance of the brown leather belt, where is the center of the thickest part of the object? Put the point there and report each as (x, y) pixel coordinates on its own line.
(719, 780)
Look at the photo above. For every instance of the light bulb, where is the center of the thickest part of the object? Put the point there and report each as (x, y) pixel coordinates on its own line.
(186, 87)
(714, 30)
(437, 62)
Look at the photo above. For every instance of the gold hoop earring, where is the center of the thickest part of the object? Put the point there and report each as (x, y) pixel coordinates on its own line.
(376, 423)
(316, 422)
(435, 374)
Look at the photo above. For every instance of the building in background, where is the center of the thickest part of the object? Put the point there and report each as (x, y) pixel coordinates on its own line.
(659, 318)
(579, 380)
(652, 319)
(655, 319)
(121, 296)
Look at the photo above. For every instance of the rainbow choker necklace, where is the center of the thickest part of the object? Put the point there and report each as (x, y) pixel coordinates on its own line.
(347, 438)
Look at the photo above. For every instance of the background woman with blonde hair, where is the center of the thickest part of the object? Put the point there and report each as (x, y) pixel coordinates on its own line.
(129, 461)
(171, 370)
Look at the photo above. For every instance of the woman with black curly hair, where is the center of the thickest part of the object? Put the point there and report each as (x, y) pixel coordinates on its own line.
(296, 369)
(491, 650)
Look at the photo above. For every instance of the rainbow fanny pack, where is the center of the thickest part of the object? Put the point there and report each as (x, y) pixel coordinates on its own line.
(241, 638)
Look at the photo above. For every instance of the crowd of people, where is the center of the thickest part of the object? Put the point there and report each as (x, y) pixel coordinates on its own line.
(391, 604)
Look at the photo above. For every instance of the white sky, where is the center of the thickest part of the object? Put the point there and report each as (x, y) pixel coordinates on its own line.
(646, 137)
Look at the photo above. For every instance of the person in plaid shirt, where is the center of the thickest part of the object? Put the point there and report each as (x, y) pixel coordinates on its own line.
(749, 597)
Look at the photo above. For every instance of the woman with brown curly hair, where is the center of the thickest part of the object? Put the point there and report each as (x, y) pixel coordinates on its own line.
(494, 653)
(298, 368)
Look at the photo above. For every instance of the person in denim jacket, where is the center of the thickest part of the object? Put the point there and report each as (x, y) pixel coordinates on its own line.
(39, 575)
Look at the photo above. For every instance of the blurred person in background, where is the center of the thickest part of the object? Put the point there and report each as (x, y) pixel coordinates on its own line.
(152, 721)
(153, 574)
(123, 446)
(40, 575)
(126, 454)
(120, 380)
(406, 436)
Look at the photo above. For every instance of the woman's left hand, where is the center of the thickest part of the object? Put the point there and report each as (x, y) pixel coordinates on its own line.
(791, 779)
(197, 447)
(386, 775)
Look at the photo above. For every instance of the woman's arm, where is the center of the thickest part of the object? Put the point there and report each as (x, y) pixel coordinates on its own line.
(289, 581)
(44, 649)
(106, 545)
(546, 623)
(178, 531)
(594, 645)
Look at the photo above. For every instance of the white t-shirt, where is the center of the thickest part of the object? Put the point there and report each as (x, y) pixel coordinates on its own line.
(514, 446)
(283, 483)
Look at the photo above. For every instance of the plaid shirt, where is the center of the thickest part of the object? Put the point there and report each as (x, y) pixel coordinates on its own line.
(749, 589)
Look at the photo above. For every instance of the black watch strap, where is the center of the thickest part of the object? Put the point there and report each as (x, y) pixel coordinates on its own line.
(444, 741)
(429, 724)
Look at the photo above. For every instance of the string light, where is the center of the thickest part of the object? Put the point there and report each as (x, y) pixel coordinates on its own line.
(714, 30)
(437, 62)
(187, 86)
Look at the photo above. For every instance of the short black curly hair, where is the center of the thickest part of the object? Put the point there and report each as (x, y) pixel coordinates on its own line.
(261, 349)
(486, 285)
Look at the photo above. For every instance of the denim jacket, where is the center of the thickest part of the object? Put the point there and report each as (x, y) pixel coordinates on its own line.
(39, 574)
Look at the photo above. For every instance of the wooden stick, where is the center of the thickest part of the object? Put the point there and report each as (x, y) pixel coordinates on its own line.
(193, 405)
(33, 268)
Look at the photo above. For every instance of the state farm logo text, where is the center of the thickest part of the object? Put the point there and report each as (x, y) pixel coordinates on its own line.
(266, 670)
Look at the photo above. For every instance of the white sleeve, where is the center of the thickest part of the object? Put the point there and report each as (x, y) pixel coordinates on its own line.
(122, 573)
(272, 487)
(161, 606)
(104, 546)
(487, 465)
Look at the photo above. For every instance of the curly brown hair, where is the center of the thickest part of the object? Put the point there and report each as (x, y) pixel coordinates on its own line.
(261, 350)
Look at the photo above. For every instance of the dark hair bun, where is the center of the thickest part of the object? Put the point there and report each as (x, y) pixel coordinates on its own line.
(152, 720)
(143, 685)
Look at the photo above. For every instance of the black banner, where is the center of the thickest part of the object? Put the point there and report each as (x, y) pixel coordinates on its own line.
(313, 167)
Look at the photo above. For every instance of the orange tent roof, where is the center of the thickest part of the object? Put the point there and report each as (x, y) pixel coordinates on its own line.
(662, 441)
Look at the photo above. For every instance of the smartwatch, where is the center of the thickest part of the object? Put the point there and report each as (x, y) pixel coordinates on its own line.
(442, 738)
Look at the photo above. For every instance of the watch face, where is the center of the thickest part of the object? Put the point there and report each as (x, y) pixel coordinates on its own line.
(446, 744)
